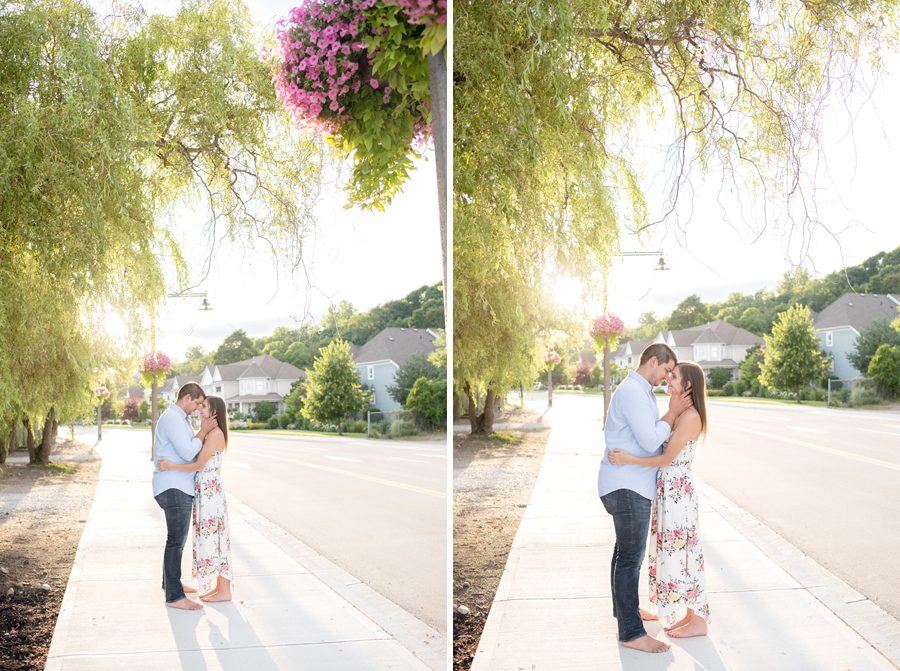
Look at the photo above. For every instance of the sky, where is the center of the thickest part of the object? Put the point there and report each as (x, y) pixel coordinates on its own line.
(366, 258)
(713, 251)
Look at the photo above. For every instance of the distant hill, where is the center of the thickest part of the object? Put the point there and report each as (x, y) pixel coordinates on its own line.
(879, 274)
(422, 308)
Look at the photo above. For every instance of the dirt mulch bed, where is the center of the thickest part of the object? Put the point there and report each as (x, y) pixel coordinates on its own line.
(42, 513)
(492, 483)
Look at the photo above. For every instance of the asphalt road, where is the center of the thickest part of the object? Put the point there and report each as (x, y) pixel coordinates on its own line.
(377, 509)
(827, 480)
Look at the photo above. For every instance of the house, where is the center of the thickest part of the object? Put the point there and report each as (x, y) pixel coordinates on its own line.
(170, 387)
(839, 325)
(716, 344)
(378, 360)
(245, 383)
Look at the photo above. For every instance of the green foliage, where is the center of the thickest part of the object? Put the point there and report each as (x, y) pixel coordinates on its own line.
(792, 356)
(718, 377)
(422, 308)
(885, 370)
(401, 428)
(428, 401)
(752, 364)
(415, 367)
(264, 410)
(690, 312)
(333, 391)
(106, 127)
(878, 333)
(237, 346)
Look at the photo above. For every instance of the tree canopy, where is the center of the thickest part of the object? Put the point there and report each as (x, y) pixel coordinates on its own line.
(551, 100)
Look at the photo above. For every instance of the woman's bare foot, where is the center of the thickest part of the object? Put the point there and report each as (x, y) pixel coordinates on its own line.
(185, 604)
(696, 627)
(188, 589)
(219, 595)
(647, 643)
(646, 615)
(683, 621)
(205, 597)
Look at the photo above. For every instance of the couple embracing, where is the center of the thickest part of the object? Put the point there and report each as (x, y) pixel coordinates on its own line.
(645, 481)
(188, 487)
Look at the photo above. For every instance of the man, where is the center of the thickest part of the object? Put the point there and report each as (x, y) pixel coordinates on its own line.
(633, 425)
(174, 490)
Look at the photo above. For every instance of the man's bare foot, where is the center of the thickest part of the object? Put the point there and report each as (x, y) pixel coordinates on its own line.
(188, 589)
(185, 604)
(220, 595)
(647, 643)
(646, 615)
(683, 621)
(696, 627)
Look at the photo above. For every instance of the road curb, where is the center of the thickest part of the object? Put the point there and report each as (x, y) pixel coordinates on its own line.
(423, 641)
(858, 612)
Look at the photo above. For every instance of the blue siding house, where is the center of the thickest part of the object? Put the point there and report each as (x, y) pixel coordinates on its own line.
(839, 325)
(378, 360)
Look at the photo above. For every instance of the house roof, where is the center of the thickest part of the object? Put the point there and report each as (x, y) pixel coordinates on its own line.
(262, 365)
(718, 331)
(858, 311)
(397, 345)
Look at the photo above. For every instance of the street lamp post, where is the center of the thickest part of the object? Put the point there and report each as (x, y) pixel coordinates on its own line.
(660, 265)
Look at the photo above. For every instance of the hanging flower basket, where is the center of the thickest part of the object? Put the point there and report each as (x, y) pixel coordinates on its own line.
(154, 367)
(101, 393)
(607, 329)
(551, 358)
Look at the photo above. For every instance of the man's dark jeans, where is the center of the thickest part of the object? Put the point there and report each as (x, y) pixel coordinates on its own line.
(177, 507)
(631, 517)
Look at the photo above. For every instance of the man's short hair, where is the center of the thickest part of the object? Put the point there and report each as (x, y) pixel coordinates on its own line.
(661, 351)
(191, 389)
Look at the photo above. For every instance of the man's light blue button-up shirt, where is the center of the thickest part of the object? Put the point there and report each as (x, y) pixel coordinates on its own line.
(175, 441)
(632, 425)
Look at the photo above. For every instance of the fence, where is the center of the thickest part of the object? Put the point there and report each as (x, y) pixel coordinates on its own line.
(849, 383)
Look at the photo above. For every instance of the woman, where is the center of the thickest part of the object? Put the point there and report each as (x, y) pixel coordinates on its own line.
(677, 572)
(212, 544)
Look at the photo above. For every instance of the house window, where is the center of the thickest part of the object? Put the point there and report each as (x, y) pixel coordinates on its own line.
(629, 361)
(715, 353)
(219, 389)
(370, 372)
(260, 386)
(829, 339)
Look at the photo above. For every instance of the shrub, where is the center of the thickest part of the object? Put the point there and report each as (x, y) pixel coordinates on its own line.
(861, 395)
(428, 402)
(273, 422)
(884, 368)
(284, 419)
(402, 427)
(353, 426)
(740, 387)
(728, 389)
(718, 377)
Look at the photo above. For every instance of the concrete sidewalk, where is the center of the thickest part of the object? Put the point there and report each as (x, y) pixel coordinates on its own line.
(772, 607)
(292, 608)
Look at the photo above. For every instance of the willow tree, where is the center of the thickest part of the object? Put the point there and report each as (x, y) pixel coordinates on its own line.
(553, 102)
(108, 125)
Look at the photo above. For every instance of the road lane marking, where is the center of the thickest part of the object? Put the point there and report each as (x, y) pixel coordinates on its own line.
(892, 426)
(430, 456)
(806, 429)
(328, 456)
(415, 461)
(885, 433)
(239, 464)
(812, 446)
(360, 476)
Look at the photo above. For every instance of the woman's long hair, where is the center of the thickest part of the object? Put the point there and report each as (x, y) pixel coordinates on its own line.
(217, 405)
(692, 376)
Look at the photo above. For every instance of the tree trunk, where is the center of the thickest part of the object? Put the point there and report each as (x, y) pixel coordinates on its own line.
(437, 83)
(29, 441)
(8, 445)
(481, 423)
(457, 406)
(48, 437)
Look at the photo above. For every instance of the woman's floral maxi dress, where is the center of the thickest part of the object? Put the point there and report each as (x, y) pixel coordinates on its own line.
(677, 572)
(212, 544)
